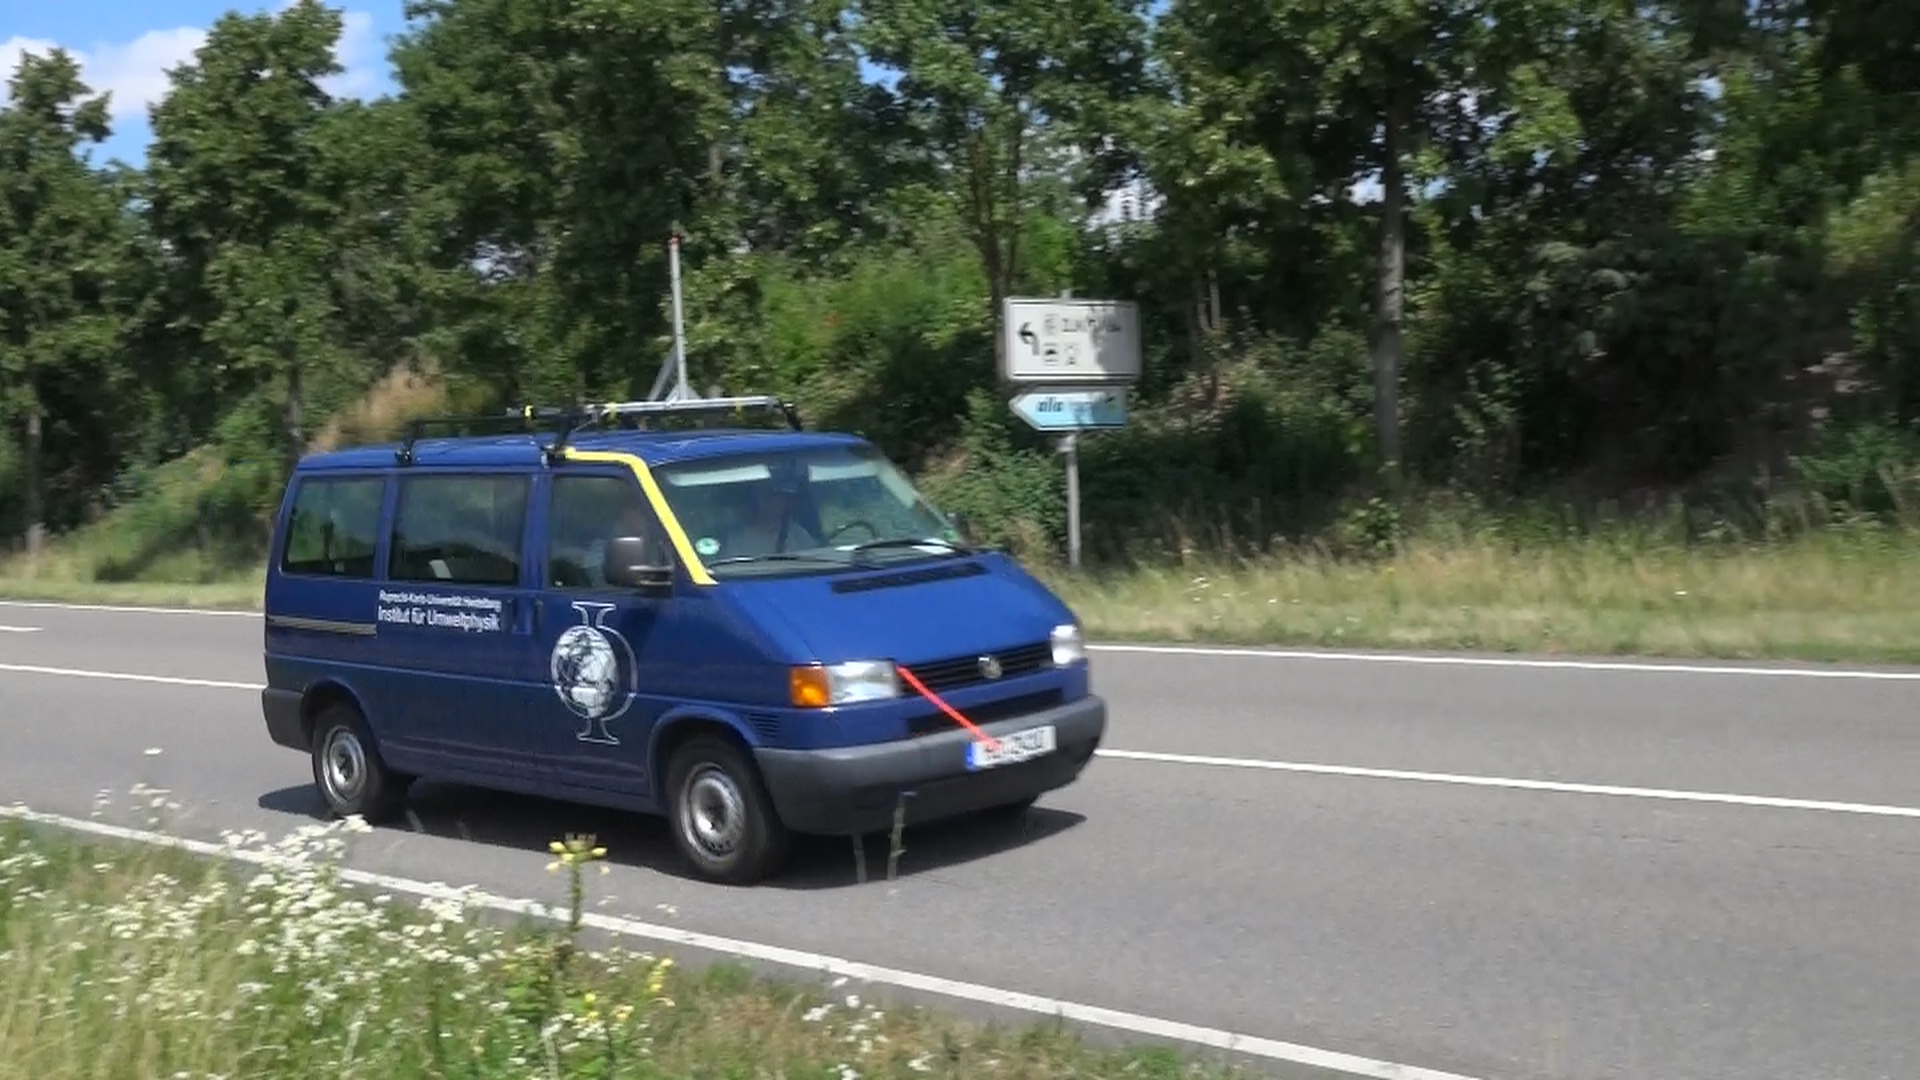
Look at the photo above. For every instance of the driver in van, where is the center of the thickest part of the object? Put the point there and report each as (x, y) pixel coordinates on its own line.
(629, 522)
(771, 525)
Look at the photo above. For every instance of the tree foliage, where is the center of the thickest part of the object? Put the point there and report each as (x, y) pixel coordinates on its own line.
(63, 239)
(1504, 247)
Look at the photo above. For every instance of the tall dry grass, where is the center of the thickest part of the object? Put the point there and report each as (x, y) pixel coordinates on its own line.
(1820, 597)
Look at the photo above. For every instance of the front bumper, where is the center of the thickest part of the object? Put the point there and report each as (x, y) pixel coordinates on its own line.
(855, 789)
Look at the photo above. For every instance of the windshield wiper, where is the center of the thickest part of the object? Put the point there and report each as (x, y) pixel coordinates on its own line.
(911, 541)
(775, 556)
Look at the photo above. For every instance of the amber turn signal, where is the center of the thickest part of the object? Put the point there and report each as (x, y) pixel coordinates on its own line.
(807, 687)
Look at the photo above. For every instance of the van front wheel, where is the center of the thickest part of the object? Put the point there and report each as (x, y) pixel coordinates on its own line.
(723, 821)
(348, 771)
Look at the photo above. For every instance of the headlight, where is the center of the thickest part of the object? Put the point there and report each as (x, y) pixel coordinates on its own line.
(819, 686)
(1068, 648)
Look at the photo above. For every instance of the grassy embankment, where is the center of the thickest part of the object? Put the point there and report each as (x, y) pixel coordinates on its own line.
(1834, 593)
(1832, 597)
(118, 961)
(1839, 596)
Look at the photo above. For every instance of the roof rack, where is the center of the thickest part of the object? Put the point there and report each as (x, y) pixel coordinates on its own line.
(581, 416)
(417, 427)
(574, 418)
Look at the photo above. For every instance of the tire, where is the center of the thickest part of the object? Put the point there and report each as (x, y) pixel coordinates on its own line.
(348, 771)
(722, 818)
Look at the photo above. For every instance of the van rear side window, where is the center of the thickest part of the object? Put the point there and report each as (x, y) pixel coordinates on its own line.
(334, 528)
(460, 530)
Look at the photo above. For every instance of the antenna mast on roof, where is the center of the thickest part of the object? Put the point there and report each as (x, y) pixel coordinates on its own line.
(676, 362)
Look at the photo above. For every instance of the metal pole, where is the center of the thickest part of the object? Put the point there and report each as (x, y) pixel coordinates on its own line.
(680, 389)
(1070, 444)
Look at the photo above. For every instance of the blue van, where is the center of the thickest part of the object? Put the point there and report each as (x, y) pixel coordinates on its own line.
(752, 632)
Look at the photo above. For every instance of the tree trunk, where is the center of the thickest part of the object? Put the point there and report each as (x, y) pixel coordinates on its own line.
(295, 415)
(1390, 305)
(36, 484)
(985, 227)
(1196, 328)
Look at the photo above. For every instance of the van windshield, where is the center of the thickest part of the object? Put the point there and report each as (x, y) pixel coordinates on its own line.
(801, 511)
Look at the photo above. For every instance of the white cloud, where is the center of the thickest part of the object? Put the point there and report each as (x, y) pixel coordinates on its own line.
(10, 52)
(360, 53)
(136, 71)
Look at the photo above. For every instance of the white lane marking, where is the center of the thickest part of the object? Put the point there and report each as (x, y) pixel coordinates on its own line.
(1441, 659)
(130, 609)
(1515, 662)
(128, 676)
(1559, 786)
(19, 629)
(830, 966)
(1464, 779)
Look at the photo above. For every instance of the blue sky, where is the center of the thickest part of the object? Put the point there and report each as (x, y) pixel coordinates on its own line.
(126, 46)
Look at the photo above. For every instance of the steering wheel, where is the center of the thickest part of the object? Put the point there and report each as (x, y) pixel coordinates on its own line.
(844, 526)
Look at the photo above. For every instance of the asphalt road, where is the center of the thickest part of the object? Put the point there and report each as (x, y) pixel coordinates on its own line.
(1453, 922)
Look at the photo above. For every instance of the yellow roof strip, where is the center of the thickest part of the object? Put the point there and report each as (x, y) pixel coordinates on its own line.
(696, 569)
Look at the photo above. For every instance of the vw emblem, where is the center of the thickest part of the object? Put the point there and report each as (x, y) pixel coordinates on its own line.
(990, 667)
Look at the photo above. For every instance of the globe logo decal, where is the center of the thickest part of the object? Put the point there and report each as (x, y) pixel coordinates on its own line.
(587, 671)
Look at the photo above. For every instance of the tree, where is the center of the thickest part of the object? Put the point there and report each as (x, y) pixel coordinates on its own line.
(996, 94)
(62, 235)
(239, 195)
(1384, 91)
(567, 140)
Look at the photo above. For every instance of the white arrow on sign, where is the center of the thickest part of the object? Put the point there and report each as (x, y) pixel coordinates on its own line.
(1072, 410)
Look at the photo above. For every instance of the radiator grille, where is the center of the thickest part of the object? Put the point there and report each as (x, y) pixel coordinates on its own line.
(956, 672)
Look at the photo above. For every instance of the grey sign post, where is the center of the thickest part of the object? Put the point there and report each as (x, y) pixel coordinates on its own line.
(1075, 360)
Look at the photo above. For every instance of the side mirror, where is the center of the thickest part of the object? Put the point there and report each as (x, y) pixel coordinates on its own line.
(635, 562)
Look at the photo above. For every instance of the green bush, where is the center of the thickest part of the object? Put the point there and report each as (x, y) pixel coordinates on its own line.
(1869, 468)
(1011, 494)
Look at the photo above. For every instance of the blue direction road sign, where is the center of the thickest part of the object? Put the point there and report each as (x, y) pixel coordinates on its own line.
(1072, 410)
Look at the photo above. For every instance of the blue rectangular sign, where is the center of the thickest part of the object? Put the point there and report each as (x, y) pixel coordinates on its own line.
(1072, 410)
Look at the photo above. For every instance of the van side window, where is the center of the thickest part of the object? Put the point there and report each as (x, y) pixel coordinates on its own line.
(587, 512)
(459, 530)
(334, 527)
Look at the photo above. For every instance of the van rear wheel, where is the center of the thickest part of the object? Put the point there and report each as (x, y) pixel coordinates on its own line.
(723, 820)
(348, 771)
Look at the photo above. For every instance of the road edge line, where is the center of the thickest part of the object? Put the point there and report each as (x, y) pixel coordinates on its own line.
(131, 609)
(129, 676)
(1052, 1008)
(1508, 783)
(1479, 780)
(1650, 665)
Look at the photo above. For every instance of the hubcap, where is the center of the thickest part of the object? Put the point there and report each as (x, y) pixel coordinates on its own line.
(712, 813)
(344, 766)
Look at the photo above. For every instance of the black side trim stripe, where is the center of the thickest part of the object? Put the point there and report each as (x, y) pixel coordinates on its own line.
(324, 626)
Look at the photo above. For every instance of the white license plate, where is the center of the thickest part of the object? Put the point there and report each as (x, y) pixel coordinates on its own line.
(1019, 746)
